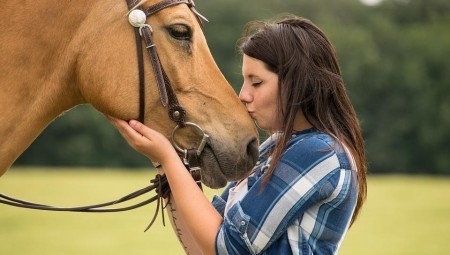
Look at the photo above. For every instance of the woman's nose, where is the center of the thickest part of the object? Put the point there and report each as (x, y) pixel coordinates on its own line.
(245, 95)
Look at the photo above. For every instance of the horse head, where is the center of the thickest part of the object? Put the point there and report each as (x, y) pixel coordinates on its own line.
(99, 65)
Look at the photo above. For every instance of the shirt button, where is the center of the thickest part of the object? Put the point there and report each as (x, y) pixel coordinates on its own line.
(242, 223)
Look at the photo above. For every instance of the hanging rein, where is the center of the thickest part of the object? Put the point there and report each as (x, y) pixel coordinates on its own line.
(143, 33)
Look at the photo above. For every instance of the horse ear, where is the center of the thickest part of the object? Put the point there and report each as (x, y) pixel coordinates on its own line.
(200, 17)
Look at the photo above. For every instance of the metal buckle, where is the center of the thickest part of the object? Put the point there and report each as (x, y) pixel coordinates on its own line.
(145, 26)
(202, 142)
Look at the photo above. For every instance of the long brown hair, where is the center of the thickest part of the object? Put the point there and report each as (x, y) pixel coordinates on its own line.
(310, 81)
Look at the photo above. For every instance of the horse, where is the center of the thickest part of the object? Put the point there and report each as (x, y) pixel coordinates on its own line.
(58, 54)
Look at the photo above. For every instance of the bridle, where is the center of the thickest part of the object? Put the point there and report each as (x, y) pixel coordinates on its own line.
(137, 18)
(143, 32)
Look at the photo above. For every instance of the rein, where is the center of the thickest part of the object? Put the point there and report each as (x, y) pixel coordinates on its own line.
(143, 32)
(159, 183)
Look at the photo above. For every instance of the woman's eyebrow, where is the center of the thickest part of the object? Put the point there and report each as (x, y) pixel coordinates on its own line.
(252, 76)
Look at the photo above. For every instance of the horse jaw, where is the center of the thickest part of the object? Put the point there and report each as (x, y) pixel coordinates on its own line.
(219, 168)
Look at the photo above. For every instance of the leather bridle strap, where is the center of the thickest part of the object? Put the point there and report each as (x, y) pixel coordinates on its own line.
(161, 5)
(168, 98)
(157, 183)
(140, 57)
(193, 164)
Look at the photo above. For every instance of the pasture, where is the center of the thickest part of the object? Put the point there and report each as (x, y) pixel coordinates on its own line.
(403, 215)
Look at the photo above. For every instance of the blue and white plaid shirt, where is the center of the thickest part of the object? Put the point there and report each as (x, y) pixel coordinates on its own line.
(305, 208)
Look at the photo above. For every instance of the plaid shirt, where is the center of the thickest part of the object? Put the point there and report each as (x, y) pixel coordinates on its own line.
(305, 208)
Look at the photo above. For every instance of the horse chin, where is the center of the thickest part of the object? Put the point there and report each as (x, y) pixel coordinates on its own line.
(211, 170)
(219, 167)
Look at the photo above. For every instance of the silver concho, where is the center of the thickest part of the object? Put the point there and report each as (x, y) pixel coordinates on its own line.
(137, 18)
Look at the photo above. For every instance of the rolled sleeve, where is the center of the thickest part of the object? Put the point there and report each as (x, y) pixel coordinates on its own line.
(232, 237)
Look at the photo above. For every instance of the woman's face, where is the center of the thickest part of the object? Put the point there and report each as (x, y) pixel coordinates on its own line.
(260, 93)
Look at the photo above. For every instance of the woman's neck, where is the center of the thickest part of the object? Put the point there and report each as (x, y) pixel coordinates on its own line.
(300, 123)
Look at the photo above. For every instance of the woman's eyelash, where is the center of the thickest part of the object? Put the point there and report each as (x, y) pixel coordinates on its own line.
(255, 84)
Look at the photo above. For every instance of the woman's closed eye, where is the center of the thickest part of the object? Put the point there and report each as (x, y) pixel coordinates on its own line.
(256, 84)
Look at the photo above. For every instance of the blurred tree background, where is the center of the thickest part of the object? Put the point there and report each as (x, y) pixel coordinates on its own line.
(394, 58)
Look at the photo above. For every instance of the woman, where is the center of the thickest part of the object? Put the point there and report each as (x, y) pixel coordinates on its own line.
(309, 183)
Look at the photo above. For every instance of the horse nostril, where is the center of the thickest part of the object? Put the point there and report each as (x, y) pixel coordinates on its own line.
(252, 152)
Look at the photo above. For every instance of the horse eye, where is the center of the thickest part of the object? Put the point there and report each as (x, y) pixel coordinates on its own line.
(180, 32)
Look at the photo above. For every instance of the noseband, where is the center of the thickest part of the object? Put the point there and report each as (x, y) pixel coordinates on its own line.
(143, 32)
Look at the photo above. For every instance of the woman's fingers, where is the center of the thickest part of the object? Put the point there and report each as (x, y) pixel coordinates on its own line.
(133, 128)
(133, 137)
(145, 140)
(142, 129)
(124, 128)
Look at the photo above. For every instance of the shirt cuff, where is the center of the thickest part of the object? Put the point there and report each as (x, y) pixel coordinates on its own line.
(232, 238)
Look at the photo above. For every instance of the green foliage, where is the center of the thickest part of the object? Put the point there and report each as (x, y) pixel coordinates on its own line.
(81, 137)
(394, 59)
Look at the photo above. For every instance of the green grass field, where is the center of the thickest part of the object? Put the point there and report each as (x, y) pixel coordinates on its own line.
(403, 215)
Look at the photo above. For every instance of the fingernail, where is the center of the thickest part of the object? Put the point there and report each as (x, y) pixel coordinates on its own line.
(132, 122)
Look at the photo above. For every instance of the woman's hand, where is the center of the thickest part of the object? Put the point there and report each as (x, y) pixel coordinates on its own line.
(145, 140)
(189, 198)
